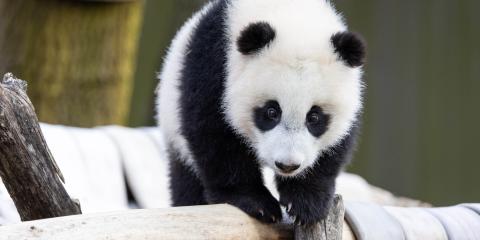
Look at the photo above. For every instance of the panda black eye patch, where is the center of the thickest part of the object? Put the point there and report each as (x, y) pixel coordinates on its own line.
(267, 117)
(317, 121)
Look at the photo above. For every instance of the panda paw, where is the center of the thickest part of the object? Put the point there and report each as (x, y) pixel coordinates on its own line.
(306, 208)
(259, 204)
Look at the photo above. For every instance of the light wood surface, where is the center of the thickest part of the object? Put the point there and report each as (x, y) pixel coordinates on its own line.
(200, 222)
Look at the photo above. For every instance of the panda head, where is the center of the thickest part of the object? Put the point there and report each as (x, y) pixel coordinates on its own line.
(293, 88)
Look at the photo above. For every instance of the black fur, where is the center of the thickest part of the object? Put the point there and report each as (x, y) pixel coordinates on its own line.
(186, 188)
(226, 171)
(319, 127)
(263, 121)
(350, 47)
(255, 37)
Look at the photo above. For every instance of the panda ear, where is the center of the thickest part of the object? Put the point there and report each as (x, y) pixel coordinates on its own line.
(350, 47)
(255, 37)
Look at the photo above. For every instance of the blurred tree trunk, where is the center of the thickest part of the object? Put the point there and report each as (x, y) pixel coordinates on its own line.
(78, 57)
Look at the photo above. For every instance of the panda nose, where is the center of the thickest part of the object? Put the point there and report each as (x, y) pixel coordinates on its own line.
(286, 168)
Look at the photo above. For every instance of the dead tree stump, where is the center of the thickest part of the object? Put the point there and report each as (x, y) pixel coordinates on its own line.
(27, 167)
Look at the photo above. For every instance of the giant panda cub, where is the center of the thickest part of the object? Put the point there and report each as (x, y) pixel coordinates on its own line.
(249, 84)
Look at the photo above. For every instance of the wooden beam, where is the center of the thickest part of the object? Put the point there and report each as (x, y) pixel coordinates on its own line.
(27, 167)
(199, 222)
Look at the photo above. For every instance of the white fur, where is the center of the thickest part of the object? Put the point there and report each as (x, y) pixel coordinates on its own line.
(299, 69)
(168, 92)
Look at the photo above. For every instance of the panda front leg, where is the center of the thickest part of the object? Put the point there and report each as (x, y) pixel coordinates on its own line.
(186, 188)
(306, 199)
(237, 180)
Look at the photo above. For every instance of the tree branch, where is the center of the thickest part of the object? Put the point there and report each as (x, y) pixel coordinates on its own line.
(27, 167)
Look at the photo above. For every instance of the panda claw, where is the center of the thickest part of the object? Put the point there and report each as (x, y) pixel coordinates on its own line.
(273, 219)
(261, 213)
(289, 207)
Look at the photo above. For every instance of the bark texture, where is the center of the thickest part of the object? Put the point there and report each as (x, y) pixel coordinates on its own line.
(78, 56)
(27, 167)
(328, 229)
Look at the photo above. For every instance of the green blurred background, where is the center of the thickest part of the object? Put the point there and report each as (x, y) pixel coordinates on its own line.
(421, 121)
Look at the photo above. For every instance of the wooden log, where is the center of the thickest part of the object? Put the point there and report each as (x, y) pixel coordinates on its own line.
(199, 222)
(328, 229)
(27, 167)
